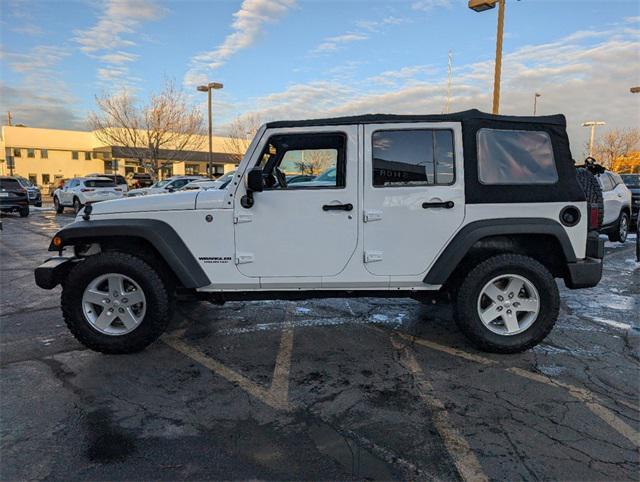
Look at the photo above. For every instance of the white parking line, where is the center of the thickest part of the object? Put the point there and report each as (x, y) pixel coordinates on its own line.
(463, 457)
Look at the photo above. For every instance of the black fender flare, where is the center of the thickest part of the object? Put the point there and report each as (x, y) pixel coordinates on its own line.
(473, 232)
(158, 233)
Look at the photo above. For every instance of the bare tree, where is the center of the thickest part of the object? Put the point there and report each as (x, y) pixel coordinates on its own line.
(616, 144)
(241, 132)
(316, 161)
(157, 133)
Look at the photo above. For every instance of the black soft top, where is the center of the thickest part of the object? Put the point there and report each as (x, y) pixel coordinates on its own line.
(464, 117)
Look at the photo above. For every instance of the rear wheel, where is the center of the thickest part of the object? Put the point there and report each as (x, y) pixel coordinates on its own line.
(115, 303)
(56, 204)
(507, 304)
(24, 212)
(622, 229)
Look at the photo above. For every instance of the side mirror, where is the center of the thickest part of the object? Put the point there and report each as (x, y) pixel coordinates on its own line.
(255, 182)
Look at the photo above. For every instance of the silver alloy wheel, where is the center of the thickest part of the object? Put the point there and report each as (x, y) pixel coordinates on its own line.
(623, 228)
(114, 304)
(508, 304)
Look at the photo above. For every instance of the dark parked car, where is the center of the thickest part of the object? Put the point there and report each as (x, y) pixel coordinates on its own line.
(632, 181)
(13, 197)
(139, 180)
(33, 191)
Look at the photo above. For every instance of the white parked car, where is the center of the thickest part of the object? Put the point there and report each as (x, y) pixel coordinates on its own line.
(120, 181)
(616, 197)
(165, 186)
(200, 184)
(480, 210)
(80, 191)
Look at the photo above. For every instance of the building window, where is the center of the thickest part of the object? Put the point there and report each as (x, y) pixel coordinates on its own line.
(31, 153)
(421, 157)
(87, 156)
(45, 179)
(74, 155)
(17, 152)
(44, 153)
(515, 157)
(192, 169)
(33, 179)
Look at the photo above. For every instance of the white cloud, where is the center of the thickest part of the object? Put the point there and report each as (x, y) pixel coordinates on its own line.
(331, 44)
(119, 19)
(583, 81)
(426, 5)
(247, 26)
(119, 57)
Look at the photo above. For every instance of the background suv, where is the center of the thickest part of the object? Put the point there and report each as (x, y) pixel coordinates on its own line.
(13, 197)
(33, 192)
(632, 181)
(85, 190)
(617, 206)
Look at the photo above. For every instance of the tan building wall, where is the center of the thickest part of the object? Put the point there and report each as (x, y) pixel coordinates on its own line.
(49, 154)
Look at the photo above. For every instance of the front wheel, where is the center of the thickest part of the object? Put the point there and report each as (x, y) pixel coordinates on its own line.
(114, 302)
(622, 229)
(507, 304)
(56, 204)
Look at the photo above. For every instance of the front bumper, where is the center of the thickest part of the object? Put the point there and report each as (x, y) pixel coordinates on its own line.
(50, 273)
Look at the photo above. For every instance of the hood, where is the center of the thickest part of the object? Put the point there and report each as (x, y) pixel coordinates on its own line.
(154, 202)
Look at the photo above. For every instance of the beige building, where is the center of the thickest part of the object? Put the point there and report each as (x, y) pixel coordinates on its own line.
(45, 156)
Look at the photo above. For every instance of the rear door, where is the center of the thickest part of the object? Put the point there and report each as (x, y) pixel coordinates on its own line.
(611, 201)
(413, 195)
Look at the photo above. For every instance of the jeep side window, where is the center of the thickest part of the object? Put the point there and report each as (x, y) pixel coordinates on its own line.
(515, 157)
(605, 182)
(320, 156)
(418, 157)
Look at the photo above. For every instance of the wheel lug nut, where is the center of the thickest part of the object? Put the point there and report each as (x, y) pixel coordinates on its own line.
(106, 300)
(124, 300)
(508, 312)
(499, 308)
(500, 298)
(121, 310)
(510, 295)
(115, 294)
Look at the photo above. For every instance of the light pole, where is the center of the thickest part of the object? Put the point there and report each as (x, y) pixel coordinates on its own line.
(481, 6)
(535, 102)
(208, 88)
(593, 125)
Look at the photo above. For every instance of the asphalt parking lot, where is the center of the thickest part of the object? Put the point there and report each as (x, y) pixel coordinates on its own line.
(331, 389)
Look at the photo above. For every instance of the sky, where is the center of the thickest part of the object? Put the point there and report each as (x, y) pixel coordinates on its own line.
(312, 58)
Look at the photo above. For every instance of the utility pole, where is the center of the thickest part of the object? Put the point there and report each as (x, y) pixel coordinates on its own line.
(481, 6)
(208, 88)
(535, 102)
(593, 125)
(9, 118)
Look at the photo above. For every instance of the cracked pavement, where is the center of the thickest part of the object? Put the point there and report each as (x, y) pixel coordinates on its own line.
(329, 389)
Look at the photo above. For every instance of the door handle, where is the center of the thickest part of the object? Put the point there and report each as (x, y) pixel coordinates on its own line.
(337, 207)
(444, 204)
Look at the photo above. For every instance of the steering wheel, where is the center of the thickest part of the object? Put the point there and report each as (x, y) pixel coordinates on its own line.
(282, 179)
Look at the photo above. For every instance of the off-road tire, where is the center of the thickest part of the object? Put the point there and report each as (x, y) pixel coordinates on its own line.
(57, 206)
(24, 212)
(466, 303)
(592, 190)
(616, 235)
(158, 299)
(77, 205)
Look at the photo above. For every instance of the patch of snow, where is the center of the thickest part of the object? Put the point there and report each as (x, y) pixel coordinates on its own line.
(615, 324)
(301, 309)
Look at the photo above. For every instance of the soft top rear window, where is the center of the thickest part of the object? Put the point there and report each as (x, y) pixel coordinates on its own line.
(515, 157)
(100, 183)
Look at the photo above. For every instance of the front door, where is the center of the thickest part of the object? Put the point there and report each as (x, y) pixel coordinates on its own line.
(306, 227)
(413, 195)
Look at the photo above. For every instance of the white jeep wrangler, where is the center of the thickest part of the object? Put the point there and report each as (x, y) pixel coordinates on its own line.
(481, 210)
